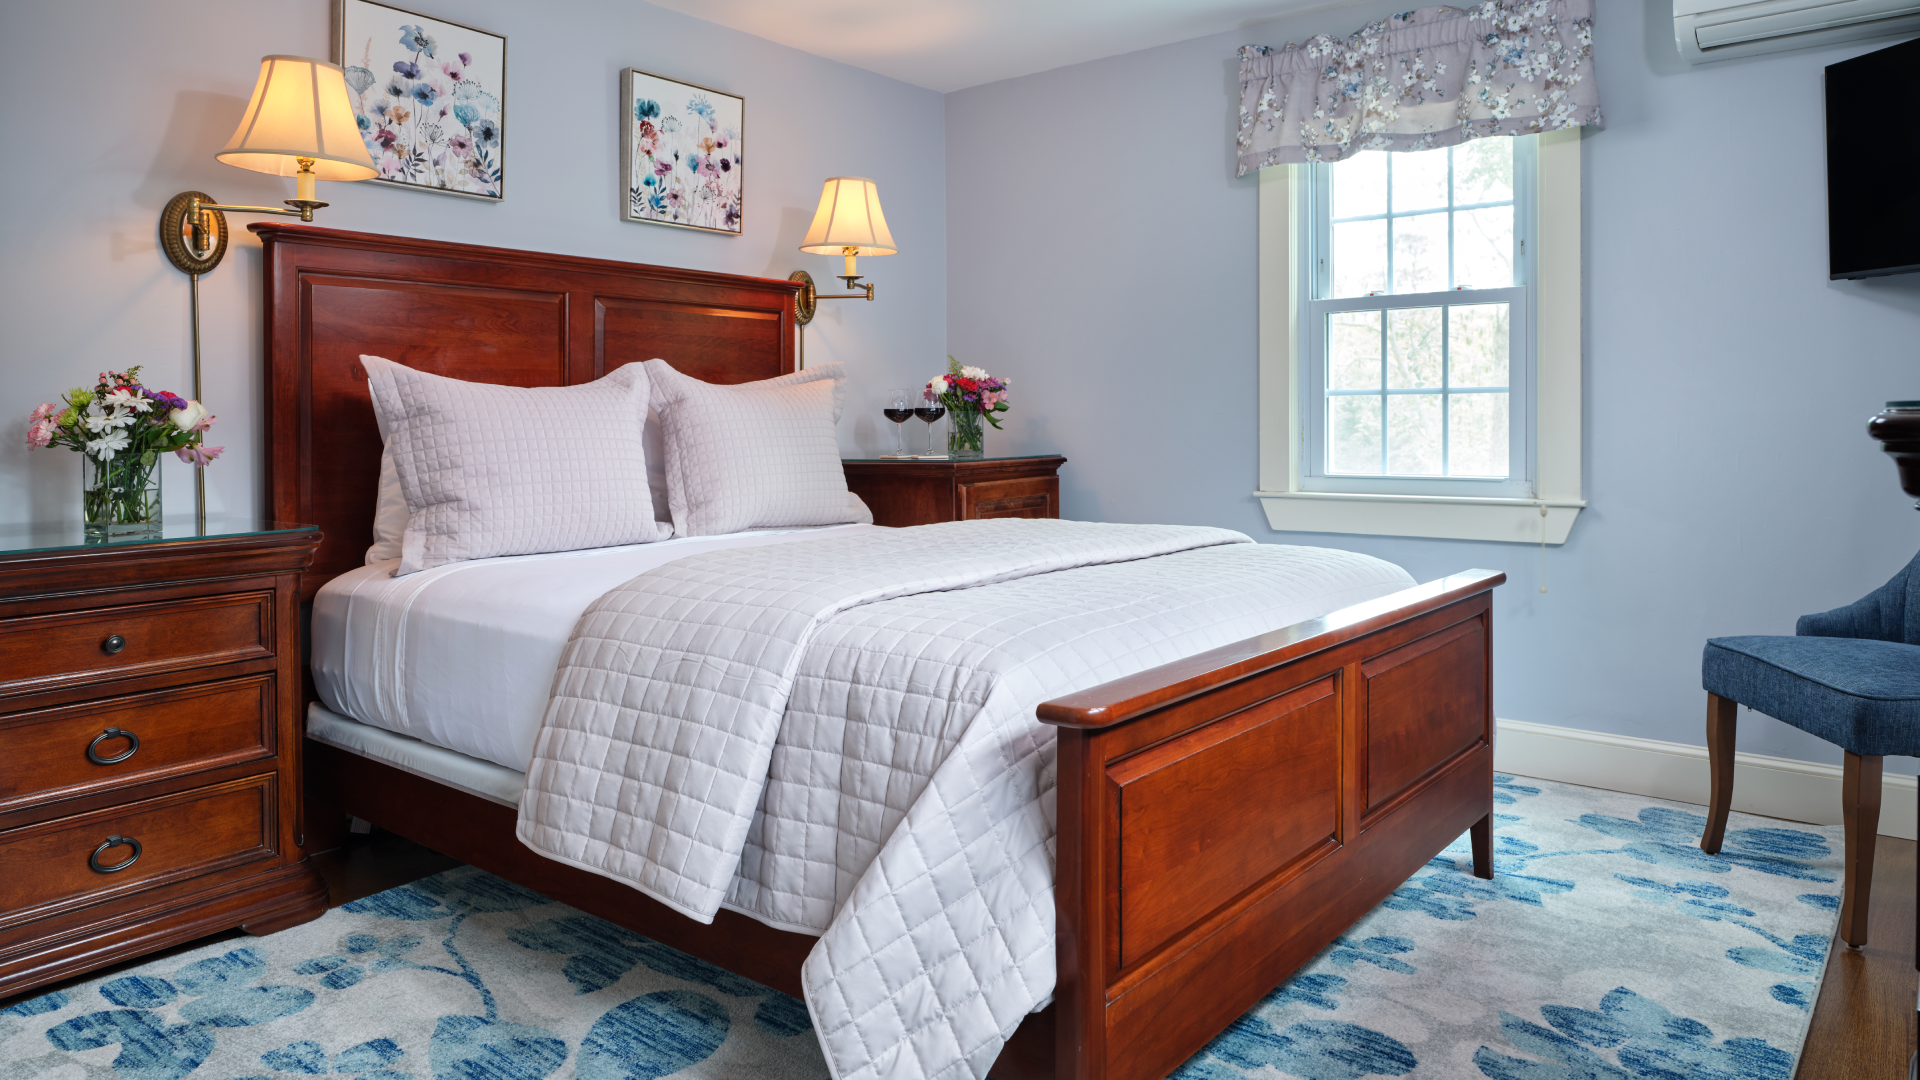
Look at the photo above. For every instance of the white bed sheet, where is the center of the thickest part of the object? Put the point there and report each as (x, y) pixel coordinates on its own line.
(462, 656)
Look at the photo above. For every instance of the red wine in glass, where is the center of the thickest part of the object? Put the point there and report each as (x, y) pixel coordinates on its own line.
(930, 411)
(899, 409)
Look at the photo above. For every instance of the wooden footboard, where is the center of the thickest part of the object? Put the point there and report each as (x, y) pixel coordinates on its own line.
(1224, 818)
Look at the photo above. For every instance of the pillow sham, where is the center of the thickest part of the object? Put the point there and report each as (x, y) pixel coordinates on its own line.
(753, 455)
(491, 470)
(390, 504)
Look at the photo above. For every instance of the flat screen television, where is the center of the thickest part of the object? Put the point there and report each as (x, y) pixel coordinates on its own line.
(1873, 164)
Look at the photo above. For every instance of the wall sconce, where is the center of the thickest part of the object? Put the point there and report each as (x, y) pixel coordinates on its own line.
(848, 223)
(300, 123)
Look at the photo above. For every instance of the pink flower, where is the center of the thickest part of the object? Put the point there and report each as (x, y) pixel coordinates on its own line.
(198, 455)
(40, 434)
(41, 412)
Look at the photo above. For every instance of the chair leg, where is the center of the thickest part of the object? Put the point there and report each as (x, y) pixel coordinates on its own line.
(1860, 809)
(1721, 713)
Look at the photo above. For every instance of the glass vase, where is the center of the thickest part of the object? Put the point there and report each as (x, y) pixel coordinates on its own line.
(120, 497)
(966, 433)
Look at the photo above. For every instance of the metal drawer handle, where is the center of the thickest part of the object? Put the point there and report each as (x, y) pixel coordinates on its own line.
(93, 860)
(113, 644)
(93, 748)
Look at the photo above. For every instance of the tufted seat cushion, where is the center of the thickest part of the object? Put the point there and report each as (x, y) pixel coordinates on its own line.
(1859, 693)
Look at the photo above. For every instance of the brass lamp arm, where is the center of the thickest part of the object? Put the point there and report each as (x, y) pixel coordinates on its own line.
(302, 208)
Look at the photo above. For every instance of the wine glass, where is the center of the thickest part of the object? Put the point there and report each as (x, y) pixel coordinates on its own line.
(930, 409)
(897, 406)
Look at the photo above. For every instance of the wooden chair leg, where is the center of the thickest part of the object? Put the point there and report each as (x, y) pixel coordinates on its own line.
(1483, 848)
(1860, 810)
(1721, 713)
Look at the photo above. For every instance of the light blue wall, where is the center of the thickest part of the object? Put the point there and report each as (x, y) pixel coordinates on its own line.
(109, 109)
(1102, 254)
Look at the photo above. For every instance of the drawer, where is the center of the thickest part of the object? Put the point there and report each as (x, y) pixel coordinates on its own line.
(74, 749)
(63, 863)
(42, 651)
(1028, 497)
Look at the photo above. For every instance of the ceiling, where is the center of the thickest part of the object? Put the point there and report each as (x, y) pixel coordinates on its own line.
(949, 45)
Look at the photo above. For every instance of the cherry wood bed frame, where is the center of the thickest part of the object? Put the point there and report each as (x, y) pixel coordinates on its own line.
(1221, 819)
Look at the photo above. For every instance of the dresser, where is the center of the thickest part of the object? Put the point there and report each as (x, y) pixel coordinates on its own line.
(149, 743)
(906, 491)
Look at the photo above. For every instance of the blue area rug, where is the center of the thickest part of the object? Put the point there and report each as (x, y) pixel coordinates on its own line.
(1606, 947)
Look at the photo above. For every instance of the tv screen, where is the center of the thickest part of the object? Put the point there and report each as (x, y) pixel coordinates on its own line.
(1873, 164)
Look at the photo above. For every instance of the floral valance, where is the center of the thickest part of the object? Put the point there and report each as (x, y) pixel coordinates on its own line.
(1428, 78)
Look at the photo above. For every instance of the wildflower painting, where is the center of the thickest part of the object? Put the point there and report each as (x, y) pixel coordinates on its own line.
(681, 162)
(429, 96)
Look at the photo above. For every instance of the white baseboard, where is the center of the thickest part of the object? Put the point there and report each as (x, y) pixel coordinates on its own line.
(1775, 787)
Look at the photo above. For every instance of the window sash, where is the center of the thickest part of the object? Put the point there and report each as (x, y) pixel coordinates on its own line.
(1519, 298)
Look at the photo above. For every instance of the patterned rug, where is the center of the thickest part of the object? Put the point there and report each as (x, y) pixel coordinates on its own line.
(1607, 946)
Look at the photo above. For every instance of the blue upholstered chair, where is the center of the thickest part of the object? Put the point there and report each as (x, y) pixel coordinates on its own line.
(1850, 676)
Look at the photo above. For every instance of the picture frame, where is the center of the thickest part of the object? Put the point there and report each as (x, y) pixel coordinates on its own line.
(681, 154)
(430, 96)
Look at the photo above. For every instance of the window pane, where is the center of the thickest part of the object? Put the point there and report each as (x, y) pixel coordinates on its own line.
(1413, 434)
(1360, 185)
(1477, 345)
(1353, 444)
(1483, 248)
(1419, 252)
(1353, 350)
(1359, 258)
(1413, 348)
(1419, 181)
(1483, 171)
(1477, 435)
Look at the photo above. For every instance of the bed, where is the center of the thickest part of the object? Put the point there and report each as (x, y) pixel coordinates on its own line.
(1220, 818)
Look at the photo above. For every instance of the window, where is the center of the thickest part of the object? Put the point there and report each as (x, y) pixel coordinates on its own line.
(1416, 327)
(1420, 341)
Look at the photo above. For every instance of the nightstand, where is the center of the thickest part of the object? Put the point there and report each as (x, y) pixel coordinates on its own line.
(903, 491)
(149, 743)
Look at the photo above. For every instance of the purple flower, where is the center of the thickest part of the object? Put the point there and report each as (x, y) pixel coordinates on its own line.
(407, 68)
(466, 60)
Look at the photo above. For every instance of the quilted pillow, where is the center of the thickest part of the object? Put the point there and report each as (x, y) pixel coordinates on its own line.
(753, 455)
(511, 470)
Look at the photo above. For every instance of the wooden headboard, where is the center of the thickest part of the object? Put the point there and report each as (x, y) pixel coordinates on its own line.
(483, 314)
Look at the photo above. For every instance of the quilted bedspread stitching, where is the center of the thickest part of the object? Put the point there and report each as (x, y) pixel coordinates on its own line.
(903, 806)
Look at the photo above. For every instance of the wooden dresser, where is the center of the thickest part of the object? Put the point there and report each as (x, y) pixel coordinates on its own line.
(904, 491)
(149, 744)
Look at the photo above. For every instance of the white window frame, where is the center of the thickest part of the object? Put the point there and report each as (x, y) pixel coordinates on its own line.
(1545, 508)
(1317, 283)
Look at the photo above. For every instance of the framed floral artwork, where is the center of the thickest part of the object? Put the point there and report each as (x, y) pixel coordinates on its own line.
(430, 97)
(681, 160)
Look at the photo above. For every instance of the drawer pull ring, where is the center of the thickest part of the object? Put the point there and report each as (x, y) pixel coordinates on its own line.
(93, 860)
(113, 645)
(93, 748)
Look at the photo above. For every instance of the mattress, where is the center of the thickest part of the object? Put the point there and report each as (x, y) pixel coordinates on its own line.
(463, 656)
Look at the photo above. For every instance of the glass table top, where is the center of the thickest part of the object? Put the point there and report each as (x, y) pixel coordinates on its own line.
(45, 536)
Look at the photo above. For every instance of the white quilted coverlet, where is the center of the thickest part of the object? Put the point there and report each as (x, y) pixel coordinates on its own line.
(838, 737)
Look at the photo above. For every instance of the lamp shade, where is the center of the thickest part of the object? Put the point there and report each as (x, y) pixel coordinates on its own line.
(300, 109)
(849, 217)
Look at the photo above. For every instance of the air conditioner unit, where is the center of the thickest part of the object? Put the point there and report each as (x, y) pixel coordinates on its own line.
(1708, 30)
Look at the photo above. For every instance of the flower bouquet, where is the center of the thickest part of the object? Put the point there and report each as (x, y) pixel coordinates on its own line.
(970, 396)
(122, 427)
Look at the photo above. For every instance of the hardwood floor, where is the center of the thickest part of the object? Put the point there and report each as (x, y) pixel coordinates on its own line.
(1863, 1024)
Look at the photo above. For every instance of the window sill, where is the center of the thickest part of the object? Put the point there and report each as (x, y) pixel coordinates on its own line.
(1516, 521)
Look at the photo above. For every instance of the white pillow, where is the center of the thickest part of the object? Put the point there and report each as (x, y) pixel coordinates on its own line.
(389, 513)
(491, 470)
(390, 504)
(753, 455)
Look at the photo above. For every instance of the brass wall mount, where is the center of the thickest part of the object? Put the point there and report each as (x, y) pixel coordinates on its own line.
(807, 302)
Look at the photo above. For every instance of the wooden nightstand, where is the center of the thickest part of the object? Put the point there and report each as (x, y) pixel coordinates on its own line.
(907, 492)
(149, 744)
